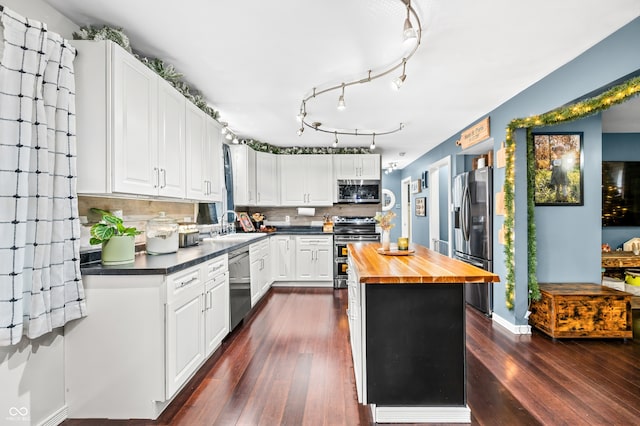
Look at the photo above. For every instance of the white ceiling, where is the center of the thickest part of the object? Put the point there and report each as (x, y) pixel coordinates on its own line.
(255, 60)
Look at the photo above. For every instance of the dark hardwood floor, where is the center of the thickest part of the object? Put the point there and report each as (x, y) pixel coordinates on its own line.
(290, 364)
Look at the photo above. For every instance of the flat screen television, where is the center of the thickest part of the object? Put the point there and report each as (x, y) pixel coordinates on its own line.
(620, 193)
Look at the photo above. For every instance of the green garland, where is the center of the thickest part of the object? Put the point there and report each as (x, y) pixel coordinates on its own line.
(265, 147)
(564, 114)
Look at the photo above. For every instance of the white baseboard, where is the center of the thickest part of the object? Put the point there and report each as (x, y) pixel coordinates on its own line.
(421, 414)
(302, 284)
(515, 329)
(56, 418)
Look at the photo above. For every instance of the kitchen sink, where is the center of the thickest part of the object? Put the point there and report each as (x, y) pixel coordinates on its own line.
(235, 237)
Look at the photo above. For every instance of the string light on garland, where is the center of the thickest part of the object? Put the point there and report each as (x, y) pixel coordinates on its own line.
(564, 114)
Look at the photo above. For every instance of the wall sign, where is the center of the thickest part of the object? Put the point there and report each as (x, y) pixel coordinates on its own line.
(474, 134)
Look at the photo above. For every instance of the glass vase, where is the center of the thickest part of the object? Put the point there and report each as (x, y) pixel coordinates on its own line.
(386, 240)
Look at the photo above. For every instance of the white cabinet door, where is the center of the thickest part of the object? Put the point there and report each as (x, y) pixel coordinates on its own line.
(171, 141)
(283, 257)
(356, 166)
(319, 180)
(134, 126)
(305, 256)
(370, 166)
(216, 322)
(214, 163)
(196, 139)
(314, 258)
(267, 184)
(266, 272)
(185, 340)
(256, 280)
(306, 180)
(324, 261)
(244, 175)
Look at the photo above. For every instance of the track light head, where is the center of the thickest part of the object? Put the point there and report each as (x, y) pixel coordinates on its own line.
(335, 141)
(229, 136)
(224, 130)
(235, 140)
(408, 33)
(399, 81)
(373, 143)
(300, 130)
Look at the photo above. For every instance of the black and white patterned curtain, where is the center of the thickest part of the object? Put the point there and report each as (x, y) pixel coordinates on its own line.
(40, 283)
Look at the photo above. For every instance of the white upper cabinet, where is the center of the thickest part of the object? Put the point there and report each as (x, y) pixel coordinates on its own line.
(171, 141)
(243, 163)
(136, 133)
(197, 185)
(356, 166)
(214, 162)
(267, 182)
(306, 180)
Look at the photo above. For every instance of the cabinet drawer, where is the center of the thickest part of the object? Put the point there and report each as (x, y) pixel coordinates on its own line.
(217, 266)
(184, 282)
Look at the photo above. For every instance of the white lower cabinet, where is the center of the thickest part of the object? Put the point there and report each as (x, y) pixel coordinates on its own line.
(144, 337)
(354, 314)
(283, 255)
(216, 303)
(260, 269)
(314, 258)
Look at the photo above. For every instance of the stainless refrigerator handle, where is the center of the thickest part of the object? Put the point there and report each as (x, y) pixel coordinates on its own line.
(466, 202)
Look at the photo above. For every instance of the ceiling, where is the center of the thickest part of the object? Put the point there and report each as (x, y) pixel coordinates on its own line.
(254, 60)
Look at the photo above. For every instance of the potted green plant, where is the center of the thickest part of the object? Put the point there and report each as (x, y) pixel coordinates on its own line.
(118, 241)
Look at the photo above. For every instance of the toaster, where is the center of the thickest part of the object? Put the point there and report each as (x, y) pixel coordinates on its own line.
(188, 234)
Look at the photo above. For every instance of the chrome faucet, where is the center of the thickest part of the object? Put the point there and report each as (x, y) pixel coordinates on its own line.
(230, 228)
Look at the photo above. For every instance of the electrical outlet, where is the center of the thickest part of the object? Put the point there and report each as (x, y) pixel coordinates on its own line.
(287, 219)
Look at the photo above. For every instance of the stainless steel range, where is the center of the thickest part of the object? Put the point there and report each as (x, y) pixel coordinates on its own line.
(349, 229)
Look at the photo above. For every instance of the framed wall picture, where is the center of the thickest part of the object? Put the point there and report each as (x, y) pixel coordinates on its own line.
(425, 179)
(415, 186)
(421, 206)
(558, 169)
(245, 222)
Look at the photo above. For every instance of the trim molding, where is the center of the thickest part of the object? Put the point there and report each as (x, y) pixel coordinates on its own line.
(461, 414)
(56, 418)
(515, 329)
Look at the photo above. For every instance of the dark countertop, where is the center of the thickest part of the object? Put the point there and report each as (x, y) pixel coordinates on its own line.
(184, 258)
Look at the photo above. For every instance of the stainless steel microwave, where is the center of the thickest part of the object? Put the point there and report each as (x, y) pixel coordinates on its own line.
(358, 191)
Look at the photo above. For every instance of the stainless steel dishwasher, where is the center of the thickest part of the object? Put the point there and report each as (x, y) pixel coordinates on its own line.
(239, 285)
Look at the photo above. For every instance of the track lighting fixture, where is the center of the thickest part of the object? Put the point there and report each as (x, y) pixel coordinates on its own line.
(224, 129)
(411, 31)
(341, 105)
(335, 142)
(397, 83)
(229, 136)
(373, 143)
(235, 140)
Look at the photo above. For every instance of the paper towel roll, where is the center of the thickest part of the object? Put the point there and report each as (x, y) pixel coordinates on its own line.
(306, 211)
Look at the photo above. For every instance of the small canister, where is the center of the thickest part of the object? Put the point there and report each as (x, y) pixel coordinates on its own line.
(162, 235)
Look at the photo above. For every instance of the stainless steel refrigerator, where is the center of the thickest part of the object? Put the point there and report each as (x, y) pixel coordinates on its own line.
(473, 230)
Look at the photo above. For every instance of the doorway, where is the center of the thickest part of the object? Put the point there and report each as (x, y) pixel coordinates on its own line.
(439, 211)
(405, 211)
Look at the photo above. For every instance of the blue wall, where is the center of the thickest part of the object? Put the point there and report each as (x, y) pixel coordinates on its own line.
(391, 182)
(568, 241)
(612, 59)
(620, 147)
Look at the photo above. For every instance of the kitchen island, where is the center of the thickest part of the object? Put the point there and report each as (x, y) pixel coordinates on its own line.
(407, 327)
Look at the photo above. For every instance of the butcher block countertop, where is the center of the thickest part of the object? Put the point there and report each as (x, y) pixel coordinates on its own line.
(423, 266)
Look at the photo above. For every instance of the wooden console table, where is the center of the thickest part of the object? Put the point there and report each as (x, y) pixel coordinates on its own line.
(620, 259)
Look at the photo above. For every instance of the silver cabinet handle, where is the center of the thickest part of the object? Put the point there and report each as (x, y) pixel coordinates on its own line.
(164, 178)
(157, 177)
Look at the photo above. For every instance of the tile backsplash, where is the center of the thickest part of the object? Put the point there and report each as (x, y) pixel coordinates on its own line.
(134, 213)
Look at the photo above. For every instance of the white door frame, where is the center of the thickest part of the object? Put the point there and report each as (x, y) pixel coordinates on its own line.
(405, 207)
(434, 203)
